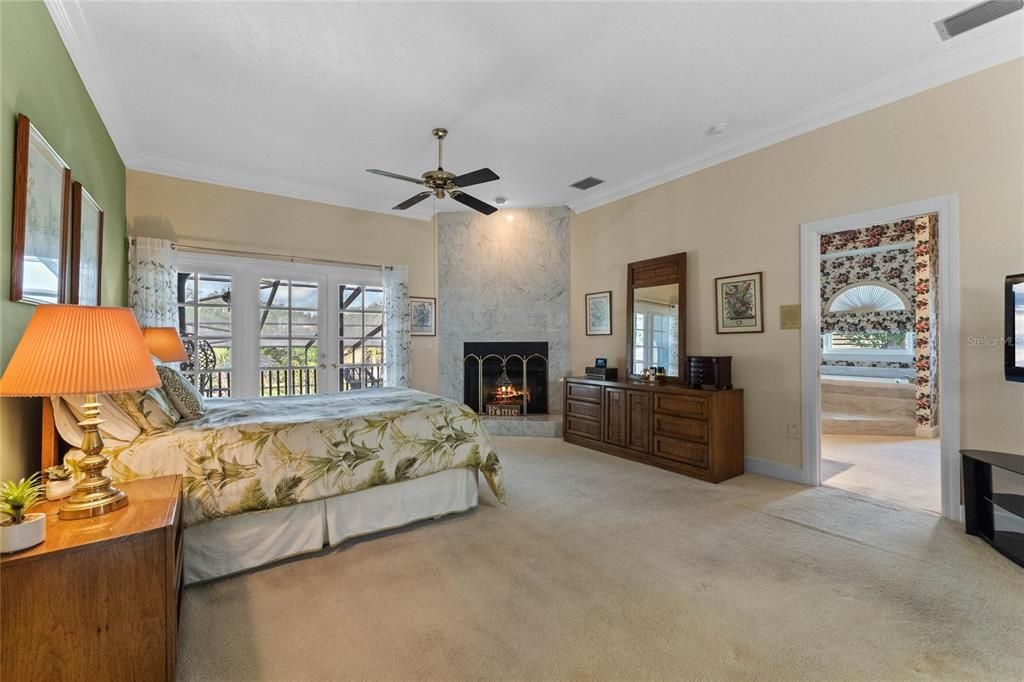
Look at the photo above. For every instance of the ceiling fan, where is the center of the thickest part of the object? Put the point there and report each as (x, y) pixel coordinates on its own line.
(441, 183)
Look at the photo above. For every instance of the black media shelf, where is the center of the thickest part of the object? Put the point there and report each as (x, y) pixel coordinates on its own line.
(994, 500)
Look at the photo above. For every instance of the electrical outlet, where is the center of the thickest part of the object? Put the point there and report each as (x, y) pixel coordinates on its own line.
(793, 430)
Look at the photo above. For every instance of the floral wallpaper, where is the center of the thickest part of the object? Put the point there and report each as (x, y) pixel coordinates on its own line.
(899, 232)
(926, 350)
(886, 365)
(895, 267)
(912, 270)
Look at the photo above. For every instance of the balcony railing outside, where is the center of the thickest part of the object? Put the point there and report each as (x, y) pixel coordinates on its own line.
(284, 381)
(295, 381)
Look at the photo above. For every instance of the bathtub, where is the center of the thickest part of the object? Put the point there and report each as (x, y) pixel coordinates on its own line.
(876, 380)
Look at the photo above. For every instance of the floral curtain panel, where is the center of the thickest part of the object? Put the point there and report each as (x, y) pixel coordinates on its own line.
(397, 337)
(152, 281)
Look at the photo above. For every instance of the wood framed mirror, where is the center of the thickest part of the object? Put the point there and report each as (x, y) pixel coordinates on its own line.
(656, 313)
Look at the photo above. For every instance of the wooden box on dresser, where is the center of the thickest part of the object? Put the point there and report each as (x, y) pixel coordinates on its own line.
(690, 431)
(100, 598)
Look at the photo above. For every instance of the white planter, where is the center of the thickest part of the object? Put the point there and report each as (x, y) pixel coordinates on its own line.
(30, 532)
(58, 490)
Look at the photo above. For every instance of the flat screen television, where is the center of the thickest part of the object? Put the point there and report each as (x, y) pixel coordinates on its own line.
(1015, 328)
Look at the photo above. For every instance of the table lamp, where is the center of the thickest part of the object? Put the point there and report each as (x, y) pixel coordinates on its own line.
(70, 350)
(165, 344)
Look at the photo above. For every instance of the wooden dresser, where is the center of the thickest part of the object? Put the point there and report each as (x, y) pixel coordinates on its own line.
(694, 432)
(100, 598)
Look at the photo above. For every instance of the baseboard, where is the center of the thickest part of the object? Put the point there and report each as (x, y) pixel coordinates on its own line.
(926, 432)
(786, 472)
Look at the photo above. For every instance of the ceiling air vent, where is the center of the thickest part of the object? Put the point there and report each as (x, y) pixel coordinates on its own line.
(587, 183)
(975, 16)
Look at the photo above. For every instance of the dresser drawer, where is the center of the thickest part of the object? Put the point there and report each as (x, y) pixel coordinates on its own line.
(680, 405)
(577, 408)
(585, 428)
(681, 451)
(681, 427)
(587, 392)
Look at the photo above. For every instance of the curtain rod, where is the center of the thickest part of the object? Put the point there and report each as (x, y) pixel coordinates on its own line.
(271, 256)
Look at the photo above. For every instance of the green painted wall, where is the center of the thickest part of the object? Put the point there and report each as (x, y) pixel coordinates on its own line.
(38, 79)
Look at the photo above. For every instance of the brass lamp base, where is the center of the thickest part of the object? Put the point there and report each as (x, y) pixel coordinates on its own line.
(85, 505)
(93, 496)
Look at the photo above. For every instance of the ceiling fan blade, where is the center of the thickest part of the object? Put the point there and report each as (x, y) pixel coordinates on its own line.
(411, 201)
(477, 177)
(473, 203)
(396, 176)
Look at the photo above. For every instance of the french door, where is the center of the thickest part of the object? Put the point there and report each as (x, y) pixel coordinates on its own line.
(281, 328)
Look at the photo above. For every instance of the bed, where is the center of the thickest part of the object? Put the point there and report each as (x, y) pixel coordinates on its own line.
(265, 479)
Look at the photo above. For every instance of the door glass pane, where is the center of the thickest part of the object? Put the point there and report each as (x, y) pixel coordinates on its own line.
(289, 349)
(304, 295)
(361, 328)
(305, 323)
(204, 322)
(373, 299)
(272, 294)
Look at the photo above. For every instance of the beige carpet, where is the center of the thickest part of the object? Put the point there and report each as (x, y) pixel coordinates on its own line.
(600, 568)
(903, 470)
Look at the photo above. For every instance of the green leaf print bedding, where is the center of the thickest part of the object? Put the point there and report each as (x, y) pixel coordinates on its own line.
(248, 455)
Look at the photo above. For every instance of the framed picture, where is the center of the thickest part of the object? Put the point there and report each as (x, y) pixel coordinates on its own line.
(599, 313)
(739, 302)
(42, 192)
(423, 316)
(86, 247)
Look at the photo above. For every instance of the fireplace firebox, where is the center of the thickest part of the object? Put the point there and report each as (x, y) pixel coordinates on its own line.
(506, 378)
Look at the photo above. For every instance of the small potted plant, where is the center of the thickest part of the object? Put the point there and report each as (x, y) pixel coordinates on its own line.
(21, 529)
(59, 483)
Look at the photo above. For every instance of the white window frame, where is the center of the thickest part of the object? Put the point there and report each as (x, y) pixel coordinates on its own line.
(867, 354)
(246, 274)
(649, 310)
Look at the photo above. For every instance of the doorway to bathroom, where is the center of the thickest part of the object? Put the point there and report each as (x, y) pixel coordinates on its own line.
(874, 370)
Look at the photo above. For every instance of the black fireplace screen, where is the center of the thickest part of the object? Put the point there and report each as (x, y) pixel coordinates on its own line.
(506, 378)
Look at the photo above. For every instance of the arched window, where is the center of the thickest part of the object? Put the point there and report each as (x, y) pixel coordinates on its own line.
(868, 298)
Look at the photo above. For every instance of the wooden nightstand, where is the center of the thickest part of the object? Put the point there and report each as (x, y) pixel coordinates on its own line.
(100, 598)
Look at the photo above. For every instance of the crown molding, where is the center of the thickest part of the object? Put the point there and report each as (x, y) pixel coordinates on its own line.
(72, 28)
(997, 49)
(268, 185)
(1002, 47)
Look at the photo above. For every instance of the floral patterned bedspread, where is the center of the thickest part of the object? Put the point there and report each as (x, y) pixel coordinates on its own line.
(248, 455)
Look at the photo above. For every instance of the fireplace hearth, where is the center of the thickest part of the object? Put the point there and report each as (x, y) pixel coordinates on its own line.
(506, 378)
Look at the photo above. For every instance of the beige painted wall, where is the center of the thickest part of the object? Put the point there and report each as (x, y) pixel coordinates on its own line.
(228, 218)
(744, 215)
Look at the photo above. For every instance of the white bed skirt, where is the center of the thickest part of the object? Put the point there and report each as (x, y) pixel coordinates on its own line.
(236, 543)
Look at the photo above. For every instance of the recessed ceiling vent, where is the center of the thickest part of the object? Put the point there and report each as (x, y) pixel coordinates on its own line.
(587, 183)
(975, 16)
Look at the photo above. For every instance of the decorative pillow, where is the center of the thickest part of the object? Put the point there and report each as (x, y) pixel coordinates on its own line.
(118, 428)
(185, 396)
(151, 410)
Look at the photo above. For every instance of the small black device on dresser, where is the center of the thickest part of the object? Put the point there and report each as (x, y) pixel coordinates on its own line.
(601, 370)
(714, 371)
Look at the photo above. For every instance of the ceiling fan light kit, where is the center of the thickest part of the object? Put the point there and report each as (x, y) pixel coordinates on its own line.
(441, 183)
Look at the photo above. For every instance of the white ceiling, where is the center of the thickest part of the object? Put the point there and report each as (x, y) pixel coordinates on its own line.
(299, 98)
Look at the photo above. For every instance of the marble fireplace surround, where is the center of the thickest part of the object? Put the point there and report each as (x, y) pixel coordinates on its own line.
(504, 280)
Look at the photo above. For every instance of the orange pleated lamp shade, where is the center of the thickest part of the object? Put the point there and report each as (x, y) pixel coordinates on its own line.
(77, 350)
(165, 344)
